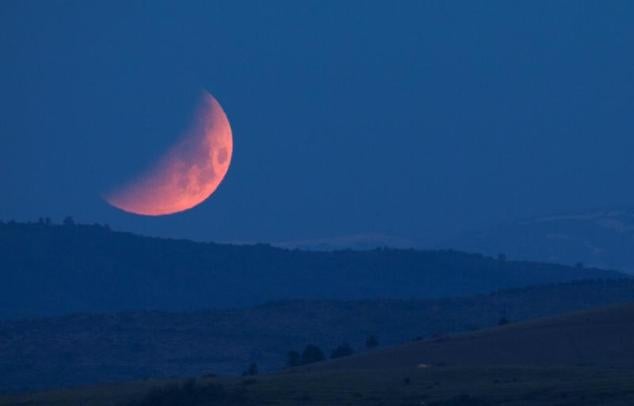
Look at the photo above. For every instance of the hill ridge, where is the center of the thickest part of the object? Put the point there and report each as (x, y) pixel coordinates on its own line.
(599, 337)
(53, 270)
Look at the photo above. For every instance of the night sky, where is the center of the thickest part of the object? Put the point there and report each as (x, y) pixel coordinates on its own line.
(416, 119)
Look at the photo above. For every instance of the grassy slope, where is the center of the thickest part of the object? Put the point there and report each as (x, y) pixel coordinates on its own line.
(602, 338)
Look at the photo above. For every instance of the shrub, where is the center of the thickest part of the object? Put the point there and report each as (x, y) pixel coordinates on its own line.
(343, 350)
(293, 359)
(312, 354)
(192, 394)
(371, 342)
(252, 370)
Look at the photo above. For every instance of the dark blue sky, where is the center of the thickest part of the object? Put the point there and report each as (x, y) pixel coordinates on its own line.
(417, 119)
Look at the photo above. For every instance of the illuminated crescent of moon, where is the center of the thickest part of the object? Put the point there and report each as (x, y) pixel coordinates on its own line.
(188, 174)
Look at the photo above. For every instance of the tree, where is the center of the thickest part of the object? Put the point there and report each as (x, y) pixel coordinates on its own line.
(312, 354)
(343, 350)
(503, 321)
(293, 359)
(252, 370)
(69, 221)
(371, 342)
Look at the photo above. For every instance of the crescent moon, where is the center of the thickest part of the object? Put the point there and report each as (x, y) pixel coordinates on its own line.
(189, 173)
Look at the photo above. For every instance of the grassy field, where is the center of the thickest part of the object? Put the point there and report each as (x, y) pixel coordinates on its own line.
(396, 386)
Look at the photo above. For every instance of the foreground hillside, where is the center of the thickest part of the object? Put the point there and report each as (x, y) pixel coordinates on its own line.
(438, 386)
(85, 349)
(52, 270)
(596, 338)
(580, 359)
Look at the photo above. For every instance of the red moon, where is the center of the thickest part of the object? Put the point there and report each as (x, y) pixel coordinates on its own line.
(190, 171)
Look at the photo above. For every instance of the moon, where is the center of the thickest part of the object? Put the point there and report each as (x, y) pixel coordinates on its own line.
(188, 174)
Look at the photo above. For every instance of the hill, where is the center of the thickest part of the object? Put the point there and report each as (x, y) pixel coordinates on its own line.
(601, 238)
(597, 338)
(53, 270)
(357, 242)
(439, 386)
(93, 348)
(584, 358)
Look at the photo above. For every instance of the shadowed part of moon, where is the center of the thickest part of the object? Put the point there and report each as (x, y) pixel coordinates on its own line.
(189, 173)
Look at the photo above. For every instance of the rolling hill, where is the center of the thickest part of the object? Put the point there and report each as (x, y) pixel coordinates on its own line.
(584, 358)
(54, 270)
(356, 242)
(595, 338)
(94, 348)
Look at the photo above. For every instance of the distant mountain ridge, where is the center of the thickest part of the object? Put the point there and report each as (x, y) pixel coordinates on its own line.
(357, 242)
(602, 238)
(58, 269)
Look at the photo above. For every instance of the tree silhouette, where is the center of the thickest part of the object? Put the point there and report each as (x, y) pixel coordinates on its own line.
(371, 342)
(343, 350)
(252, 370)
(293, 359)
(312, 354)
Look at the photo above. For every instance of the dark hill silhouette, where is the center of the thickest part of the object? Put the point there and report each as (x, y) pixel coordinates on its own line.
(86, 349)
(50, 269)
(585, 358)
(594, 338)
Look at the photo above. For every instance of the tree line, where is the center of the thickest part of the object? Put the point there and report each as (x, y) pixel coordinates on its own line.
(313, 353)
